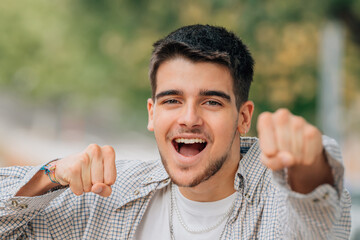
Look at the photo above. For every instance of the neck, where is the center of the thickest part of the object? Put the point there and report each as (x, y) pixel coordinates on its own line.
(221, 184)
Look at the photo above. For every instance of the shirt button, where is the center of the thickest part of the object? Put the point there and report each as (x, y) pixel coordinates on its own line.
(136, 192)
(14, 203)
(23, 206)
(326, 195)
(149, 179)
(315, 200)
(165, 181)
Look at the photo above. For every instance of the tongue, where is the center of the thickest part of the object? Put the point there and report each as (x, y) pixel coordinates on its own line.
(190, 149)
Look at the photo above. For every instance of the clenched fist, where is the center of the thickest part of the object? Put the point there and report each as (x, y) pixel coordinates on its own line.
(92, 170)
(288, 141)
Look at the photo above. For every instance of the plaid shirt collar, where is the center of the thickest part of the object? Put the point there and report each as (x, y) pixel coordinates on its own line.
(250, 169)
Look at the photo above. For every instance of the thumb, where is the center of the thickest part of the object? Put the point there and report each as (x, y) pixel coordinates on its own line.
(101, 189)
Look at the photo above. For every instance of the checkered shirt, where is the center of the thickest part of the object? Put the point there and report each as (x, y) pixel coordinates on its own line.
(266, 208)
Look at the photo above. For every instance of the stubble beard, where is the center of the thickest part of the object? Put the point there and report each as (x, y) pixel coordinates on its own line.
(210, 170)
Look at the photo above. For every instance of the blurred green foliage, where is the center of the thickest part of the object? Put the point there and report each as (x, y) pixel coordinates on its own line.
(75, 52)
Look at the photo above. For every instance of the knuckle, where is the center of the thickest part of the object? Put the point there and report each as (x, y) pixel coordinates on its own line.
(311, 132)
(282, 111)
(94, 149)
(84, 158)
(298, 123)
(107, 149)
(282, 115)
(265, 116)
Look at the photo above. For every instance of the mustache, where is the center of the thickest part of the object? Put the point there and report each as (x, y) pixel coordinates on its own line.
(194, 130)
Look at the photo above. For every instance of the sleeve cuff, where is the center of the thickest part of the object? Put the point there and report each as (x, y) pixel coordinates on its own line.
(21, 205)
(325, 191)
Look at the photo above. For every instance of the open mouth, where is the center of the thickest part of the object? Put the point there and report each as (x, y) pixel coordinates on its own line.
(189, 146)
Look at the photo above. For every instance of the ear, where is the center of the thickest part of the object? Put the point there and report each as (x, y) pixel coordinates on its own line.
(150, 108)
(245, 115)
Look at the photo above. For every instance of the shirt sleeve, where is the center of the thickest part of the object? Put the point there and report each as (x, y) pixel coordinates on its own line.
(322, 214)
(17, 212)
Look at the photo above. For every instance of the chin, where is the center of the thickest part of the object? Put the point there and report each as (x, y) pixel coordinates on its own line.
(188, 177)
(183, 177)
(186, 181)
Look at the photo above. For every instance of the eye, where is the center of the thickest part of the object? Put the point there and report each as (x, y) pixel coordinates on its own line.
(171, 101)
(213, 103)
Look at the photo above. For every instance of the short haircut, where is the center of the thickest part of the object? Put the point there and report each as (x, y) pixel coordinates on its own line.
(205, 43)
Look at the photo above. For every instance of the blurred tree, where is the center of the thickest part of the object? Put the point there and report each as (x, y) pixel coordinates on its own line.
(66, 52)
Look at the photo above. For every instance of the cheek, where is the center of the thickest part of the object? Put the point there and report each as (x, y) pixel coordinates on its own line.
(223, 128)
(162, 124)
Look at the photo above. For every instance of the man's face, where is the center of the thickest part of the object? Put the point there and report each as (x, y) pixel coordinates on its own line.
(194, 119)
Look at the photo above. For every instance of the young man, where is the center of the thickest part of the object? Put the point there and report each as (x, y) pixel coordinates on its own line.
(211, 183)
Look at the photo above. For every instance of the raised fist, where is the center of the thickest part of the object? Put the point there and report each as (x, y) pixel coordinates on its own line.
(287, 140)
(92, 170)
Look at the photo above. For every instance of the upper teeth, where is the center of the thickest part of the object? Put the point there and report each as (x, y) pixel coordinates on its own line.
(189, 140)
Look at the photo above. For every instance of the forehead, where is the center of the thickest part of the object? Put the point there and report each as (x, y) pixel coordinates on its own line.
(181, 73)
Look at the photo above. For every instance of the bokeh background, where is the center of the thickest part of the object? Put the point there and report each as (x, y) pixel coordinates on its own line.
(75, 72)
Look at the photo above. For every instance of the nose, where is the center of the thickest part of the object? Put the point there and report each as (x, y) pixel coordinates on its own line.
(190, 116)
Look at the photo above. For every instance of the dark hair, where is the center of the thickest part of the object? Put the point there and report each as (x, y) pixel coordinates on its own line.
(205, 43)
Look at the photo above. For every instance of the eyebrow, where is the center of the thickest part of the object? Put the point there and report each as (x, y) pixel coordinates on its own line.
(202, 93)
(168, 93)
(215, 93)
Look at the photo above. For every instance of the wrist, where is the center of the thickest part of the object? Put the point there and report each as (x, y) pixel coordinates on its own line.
(38, 185)
(49, 170)
(305, 178)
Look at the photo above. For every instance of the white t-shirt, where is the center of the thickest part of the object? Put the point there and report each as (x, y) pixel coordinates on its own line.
(155, 222)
